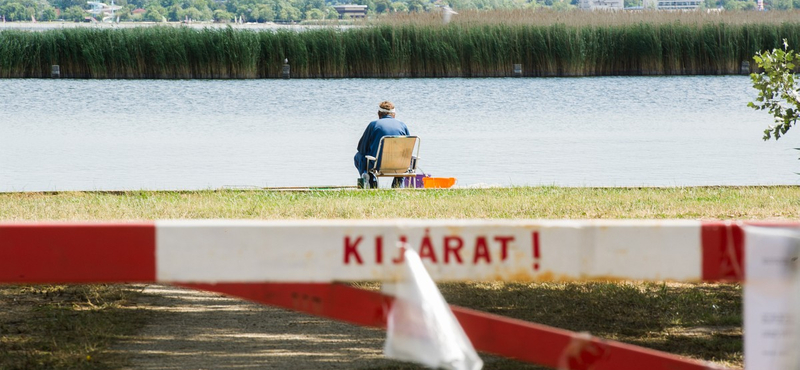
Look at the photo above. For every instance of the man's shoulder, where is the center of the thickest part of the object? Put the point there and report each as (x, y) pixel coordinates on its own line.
(390, 122)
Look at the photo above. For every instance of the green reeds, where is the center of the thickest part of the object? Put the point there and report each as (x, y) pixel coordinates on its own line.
(410, 49)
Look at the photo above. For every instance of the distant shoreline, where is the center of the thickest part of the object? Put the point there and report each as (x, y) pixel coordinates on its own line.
(338, 188)
(56, 25)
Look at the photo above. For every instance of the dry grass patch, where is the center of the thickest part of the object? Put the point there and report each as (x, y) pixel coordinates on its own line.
(64, 326)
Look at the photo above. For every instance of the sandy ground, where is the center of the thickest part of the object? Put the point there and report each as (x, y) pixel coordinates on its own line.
(200, 330)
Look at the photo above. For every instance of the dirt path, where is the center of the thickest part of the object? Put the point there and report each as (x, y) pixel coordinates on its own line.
(199, 330)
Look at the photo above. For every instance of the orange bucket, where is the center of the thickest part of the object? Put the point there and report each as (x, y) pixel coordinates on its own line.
(438, 182)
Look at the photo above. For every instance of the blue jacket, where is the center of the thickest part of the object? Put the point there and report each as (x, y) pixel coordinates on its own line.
(368, 145)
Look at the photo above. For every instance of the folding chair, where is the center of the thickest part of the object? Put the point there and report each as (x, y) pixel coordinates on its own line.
(397, 157)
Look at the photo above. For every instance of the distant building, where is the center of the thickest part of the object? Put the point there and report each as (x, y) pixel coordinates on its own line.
(352, 11)
(673, 4)
(601, 4)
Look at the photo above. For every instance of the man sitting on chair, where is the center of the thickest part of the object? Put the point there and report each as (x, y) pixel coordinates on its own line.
(368, 145)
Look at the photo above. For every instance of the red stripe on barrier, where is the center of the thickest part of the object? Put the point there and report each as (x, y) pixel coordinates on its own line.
(723, 251)
(336, 301)
(499, 335)
(723, 248)
(77, 253)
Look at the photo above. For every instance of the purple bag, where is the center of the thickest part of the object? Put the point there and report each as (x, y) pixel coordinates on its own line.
(407, 181)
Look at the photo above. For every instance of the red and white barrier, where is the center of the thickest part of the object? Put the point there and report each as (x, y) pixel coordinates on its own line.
(293, 264)
(208, 251)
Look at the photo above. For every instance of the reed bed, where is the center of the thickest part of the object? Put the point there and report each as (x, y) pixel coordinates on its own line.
(460, 49)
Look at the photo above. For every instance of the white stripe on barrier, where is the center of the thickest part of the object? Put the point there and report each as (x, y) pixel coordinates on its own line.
(654, 250)
(341, 250)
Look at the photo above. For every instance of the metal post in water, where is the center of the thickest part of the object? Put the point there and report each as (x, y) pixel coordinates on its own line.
(745, 68)
(55, 71)
(285, 74)
(517, 70)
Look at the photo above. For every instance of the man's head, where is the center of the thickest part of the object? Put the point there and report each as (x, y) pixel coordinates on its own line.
(386, 108)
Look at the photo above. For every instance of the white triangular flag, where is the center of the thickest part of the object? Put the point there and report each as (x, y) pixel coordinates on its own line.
(421, 326)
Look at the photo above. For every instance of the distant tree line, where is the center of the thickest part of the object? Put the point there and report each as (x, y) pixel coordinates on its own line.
(292, 10)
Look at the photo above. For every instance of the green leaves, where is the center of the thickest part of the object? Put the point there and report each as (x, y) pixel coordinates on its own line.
(777, 92)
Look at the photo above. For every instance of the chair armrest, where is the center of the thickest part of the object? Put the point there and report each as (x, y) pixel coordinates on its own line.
(413, 166)
(372, 163)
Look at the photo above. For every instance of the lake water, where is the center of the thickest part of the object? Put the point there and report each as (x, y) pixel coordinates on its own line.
(187, 134)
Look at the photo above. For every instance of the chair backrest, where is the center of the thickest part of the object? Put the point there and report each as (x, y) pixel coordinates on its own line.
(395, 153)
